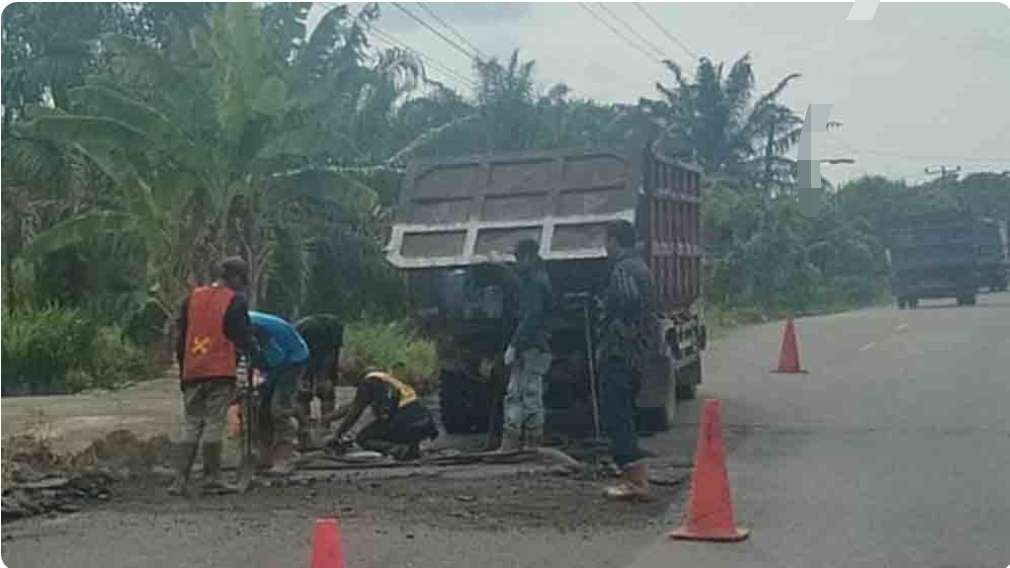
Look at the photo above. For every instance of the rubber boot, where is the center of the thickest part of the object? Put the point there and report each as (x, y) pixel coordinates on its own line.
(381, 446)
(633, 486)
(534, 439)
(326, 407)
(509, 443)
(406, 452)
(212, 482)
(283, 454)
(182, 463)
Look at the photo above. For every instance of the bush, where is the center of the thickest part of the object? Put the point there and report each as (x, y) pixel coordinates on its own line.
(57, 349)
(117, 360)
(387, 345)
(41, 346)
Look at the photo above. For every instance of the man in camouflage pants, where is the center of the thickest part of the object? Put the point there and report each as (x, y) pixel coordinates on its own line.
(624, 340)
(528, 354)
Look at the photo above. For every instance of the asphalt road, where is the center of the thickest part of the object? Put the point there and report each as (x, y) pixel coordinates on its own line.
(893, 451)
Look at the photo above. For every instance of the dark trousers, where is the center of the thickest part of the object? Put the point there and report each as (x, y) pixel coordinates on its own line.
(617, 409)
(276, 406)
(409, 425)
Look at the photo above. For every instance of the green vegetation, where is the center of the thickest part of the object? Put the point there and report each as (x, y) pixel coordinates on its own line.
(56, 349)
(391, 346)
(143, 142)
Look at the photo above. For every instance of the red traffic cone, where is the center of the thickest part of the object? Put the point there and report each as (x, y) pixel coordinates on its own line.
(327, 549)
(710, 507)
(789, 357)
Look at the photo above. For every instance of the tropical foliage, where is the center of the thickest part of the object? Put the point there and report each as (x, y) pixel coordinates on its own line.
(141, 142)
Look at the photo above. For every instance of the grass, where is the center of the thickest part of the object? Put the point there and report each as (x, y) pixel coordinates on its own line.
(391, 346)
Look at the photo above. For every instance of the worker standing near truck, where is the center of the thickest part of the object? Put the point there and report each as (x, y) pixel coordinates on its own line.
(283, 356)
(214, 331)
(624, 341)
(528, 356)
(324, 334)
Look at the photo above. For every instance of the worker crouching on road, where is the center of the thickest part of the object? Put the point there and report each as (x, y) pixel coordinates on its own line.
(528, 355)
(624, 341)
(324, 335)
(401, 421)
(213, 330)
(283, 355)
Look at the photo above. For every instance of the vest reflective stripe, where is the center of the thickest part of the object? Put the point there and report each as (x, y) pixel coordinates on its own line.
(209, 353)
(404, 393)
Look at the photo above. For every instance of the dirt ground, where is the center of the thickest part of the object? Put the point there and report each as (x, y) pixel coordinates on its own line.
(474, 497)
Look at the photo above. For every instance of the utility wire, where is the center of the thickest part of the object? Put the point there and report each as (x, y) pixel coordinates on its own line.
(618, 33)
(645, 41)
(666, 32)
(468, 54)
(451, 29)
(924, 158)
(445, 69)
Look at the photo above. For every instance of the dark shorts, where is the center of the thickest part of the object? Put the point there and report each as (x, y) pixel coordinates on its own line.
(410, 424)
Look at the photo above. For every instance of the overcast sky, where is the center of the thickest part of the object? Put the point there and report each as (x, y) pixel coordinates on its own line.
(920, 85)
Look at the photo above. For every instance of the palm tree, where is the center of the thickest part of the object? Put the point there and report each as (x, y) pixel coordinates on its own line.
(715, 120)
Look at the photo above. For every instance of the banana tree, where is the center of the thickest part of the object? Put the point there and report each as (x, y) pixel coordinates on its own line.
(196, 138)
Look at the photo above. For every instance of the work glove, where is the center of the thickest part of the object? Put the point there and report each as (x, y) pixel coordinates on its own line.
(510, 356)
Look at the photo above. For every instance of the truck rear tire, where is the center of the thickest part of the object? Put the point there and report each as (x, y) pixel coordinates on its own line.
(687, 381)
(465, 405)
(687, 392)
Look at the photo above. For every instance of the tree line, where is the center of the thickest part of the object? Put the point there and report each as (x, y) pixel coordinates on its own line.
(141, 142)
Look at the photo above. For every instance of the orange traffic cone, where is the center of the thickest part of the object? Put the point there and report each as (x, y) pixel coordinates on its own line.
(789, 357)
(710, 508)
(327, 549)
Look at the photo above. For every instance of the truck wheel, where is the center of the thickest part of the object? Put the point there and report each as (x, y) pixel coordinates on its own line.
(687, 381)
(453, 402)
(687, 392)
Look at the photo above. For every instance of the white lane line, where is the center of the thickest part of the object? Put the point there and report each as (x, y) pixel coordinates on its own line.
(901, 327)
(867, 347)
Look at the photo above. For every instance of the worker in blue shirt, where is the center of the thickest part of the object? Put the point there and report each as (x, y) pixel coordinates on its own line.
(283, 356)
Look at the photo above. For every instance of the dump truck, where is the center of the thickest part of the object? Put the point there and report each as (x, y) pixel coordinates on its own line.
(992, 263)
(456, 226)
(933, 255)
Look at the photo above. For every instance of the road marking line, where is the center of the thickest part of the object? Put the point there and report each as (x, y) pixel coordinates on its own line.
(901, 327)
(867, 347)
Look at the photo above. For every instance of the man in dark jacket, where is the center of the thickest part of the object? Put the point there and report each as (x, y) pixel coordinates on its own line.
(214, 330)
(324, 335)
(629, 322)
(528, 355)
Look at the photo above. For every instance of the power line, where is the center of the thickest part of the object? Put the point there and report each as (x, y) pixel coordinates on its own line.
(417, 19)
(920, 157)
(451, 29)
(445, 69)
(634, 32)
(666, 32)
(618, 33)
